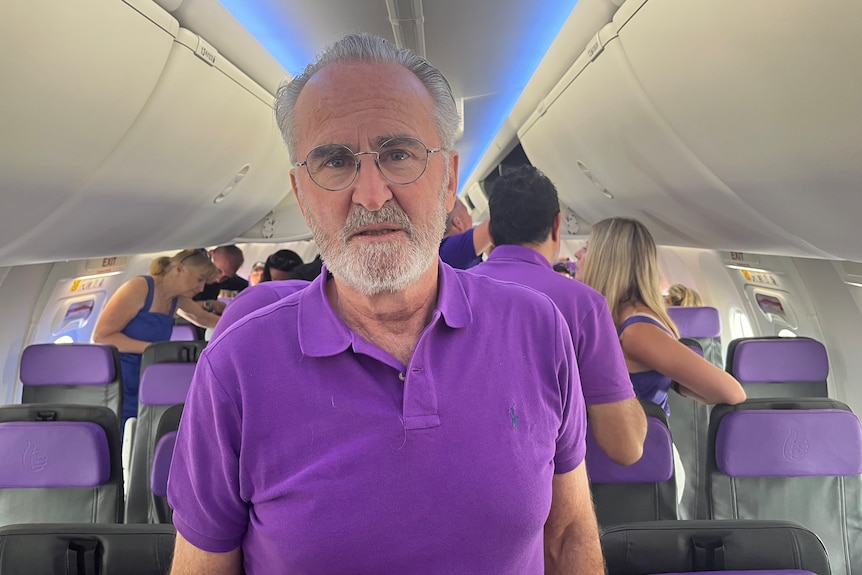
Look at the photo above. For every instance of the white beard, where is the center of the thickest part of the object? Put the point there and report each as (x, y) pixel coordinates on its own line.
(384, 266)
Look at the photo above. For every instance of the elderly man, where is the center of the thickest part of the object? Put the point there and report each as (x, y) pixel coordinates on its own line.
(335, 431)
(525, 225)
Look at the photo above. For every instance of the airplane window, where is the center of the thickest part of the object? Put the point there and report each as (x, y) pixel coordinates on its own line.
(64, 339)
(786, 333)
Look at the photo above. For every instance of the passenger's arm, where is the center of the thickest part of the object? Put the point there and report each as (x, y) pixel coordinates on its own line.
(620, 429)
(482, 241)
(123, 306)
(189, 560)
(649, 345)
(571, 532)
(194, 312)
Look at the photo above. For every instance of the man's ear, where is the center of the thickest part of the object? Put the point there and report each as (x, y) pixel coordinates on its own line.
(295, 186)
(458, 224)
(555, 227)
(452, 191)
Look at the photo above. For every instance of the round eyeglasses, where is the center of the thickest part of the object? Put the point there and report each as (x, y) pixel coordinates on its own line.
(334, 167)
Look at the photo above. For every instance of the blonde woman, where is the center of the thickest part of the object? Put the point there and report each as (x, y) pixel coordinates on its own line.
(680, 295)
(142, 311)
(620, 262)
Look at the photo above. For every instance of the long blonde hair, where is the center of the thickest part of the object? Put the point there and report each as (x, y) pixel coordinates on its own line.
(622, 265)
(680, 295)
(196, 258)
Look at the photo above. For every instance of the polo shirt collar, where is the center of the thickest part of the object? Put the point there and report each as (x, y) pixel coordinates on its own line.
(322, 333)
(519, 253)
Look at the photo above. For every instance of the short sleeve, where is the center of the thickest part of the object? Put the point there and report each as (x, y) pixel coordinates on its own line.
(571, 440)
(203, 486)
(247, 301)
(604, 376)
(459, 251)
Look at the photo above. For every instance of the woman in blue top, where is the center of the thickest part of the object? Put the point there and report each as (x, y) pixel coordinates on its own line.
(142, 311)
(622, 265)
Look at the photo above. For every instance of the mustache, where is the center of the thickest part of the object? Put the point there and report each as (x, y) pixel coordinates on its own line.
(360, 217)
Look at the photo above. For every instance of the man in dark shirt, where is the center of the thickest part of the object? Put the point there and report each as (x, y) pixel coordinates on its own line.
(228, 259)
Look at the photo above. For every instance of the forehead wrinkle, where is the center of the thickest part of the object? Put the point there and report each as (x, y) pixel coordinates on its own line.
(351, 100)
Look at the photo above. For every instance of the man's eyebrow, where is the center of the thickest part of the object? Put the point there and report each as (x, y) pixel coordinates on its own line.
(380, 140)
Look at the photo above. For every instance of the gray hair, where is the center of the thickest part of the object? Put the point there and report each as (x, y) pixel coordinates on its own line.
(368, 48)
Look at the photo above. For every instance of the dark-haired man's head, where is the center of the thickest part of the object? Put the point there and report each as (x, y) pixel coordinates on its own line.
(307, 272)
(524, 206)
(278, 265)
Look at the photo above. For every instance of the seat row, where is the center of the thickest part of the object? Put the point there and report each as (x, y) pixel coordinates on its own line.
(680, 547)
(796, 459)
(73, 455)
(765, 366)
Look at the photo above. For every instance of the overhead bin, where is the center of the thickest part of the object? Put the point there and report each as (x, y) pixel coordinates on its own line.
(75, 77)
(704, 118)
(201, 158)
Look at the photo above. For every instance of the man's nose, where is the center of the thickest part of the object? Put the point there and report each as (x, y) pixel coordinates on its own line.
(370, 189)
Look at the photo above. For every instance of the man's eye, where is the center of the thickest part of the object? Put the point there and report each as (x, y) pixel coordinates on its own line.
(396, 156)
(335, 162)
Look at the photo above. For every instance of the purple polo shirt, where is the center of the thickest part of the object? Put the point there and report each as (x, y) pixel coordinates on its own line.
(318, 452)
(601, 365)
(459, 251)
(253, 298)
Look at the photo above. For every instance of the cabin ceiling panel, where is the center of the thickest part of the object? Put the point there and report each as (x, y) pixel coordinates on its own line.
(713, 122)
(204, 125)
(766, 97)
(601, 135)
(75, 77)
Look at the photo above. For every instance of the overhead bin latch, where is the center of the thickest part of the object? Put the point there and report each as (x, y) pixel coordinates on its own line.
(206, 52)
(594, 47)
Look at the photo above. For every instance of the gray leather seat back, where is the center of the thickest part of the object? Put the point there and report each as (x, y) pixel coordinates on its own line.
(792, 459)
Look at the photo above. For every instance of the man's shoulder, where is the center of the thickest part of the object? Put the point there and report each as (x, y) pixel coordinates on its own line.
(486, 291)
(542, 279)
(234, 283)
(267, 313)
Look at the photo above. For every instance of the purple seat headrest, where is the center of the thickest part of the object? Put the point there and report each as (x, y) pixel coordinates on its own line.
(183, 332)
(780, 360)
(701, 321)
(166, 383)
(53, 454)
(68, 364)
(655, 466)
(789, 443)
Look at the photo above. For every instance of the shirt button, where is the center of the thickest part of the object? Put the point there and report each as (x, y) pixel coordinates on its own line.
(401, 376)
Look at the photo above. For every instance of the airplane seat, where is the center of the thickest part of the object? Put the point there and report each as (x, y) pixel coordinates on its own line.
(171, 352)
(166, 439)
(73, 373)
(703, 324)
(779, 366)
(55, 548)
(688, 424)
(795, 459)
(700, 546)
(69, 464)
(162, 386)
(184, 332)
(645, 491)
